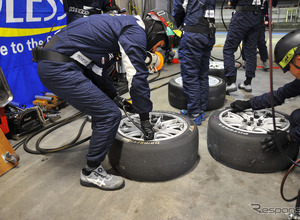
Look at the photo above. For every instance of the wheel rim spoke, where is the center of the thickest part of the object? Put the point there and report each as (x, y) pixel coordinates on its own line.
(259, 121)
(166, 126)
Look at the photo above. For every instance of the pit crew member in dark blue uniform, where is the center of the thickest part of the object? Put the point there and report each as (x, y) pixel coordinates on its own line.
(197, 19)
(92, 43)
(243, 27)
(80, 8)
(287, 56)
(261, 39)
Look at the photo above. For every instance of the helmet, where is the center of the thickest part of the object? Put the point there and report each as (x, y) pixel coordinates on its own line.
(286, 49)
(160, 25)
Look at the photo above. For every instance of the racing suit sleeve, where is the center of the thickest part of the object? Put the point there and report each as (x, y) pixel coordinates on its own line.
(132, 44)
(289, 90)
(179, 11)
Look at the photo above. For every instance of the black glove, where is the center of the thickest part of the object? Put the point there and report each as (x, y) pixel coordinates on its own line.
(270, 144)
(122, 102)
(239, 105)
(148, 130)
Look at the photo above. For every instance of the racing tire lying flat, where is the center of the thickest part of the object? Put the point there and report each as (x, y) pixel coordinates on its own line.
(172, 153)
(216, 68)
(233, 139)
(216, 93)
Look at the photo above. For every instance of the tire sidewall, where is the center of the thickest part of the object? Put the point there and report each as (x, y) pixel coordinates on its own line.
(242, 150)
(156, 160)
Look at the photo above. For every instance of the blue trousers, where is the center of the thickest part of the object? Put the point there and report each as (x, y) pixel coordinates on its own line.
(67, 81)
(194, 53)
(243, 27)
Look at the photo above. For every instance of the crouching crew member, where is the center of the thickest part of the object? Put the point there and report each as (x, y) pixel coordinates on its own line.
(287, 56)
(92, 43)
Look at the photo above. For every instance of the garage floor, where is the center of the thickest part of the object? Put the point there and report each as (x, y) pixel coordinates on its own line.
(47, 186)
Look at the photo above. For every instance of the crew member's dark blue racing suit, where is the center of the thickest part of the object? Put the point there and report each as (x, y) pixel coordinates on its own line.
(261, 40)
(99, 38)
(197, 19)
(243, 26)
(289, 90)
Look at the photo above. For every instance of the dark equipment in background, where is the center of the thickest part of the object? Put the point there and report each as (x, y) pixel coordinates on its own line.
(23, 121)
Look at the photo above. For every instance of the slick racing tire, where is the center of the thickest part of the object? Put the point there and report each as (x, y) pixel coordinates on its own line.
(172, 153)
(216, 93)
(233, 139)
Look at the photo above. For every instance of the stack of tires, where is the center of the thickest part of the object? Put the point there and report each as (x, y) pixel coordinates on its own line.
(216, 93)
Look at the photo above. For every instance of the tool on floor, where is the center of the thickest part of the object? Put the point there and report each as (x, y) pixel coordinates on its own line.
(49, 101)
(24, 121)
(154, 61)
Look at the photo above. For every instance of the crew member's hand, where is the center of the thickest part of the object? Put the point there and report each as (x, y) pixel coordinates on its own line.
(122, 102)
(239, 105)
(148, 130)
(270, 144)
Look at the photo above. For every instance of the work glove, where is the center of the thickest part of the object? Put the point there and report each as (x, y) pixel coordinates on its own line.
(147, 130)
(270, 144)
(122, 102)
(239, 105)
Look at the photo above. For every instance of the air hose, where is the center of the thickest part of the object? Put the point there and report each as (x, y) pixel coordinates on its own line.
(283, 181)
(54, 126)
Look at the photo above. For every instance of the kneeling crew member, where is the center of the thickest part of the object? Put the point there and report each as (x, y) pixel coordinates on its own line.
(287, 56)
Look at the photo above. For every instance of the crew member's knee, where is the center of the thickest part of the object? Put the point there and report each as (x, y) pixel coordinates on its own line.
(117, 114)
(295, 118)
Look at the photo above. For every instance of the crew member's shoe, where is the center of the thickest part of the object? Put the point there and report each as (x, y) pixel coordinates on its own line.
(101, 179)
(266, 65)
(247, 88)
(198, 119)
(231, 88)
(244, 64)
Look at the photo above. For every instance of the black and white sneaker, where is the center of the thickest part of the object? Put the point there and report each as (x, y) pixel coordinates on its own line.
(265, 65)
(247, 88)
(231, 88)
(101, 179)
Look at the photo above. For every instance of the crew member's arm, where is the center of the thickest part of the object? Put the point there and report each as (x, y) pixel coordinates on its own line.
(133, 54)
(179, 11)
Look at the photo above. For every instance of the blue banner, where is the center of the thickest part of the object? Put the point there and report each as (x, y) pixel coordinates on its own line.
(23, 25)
